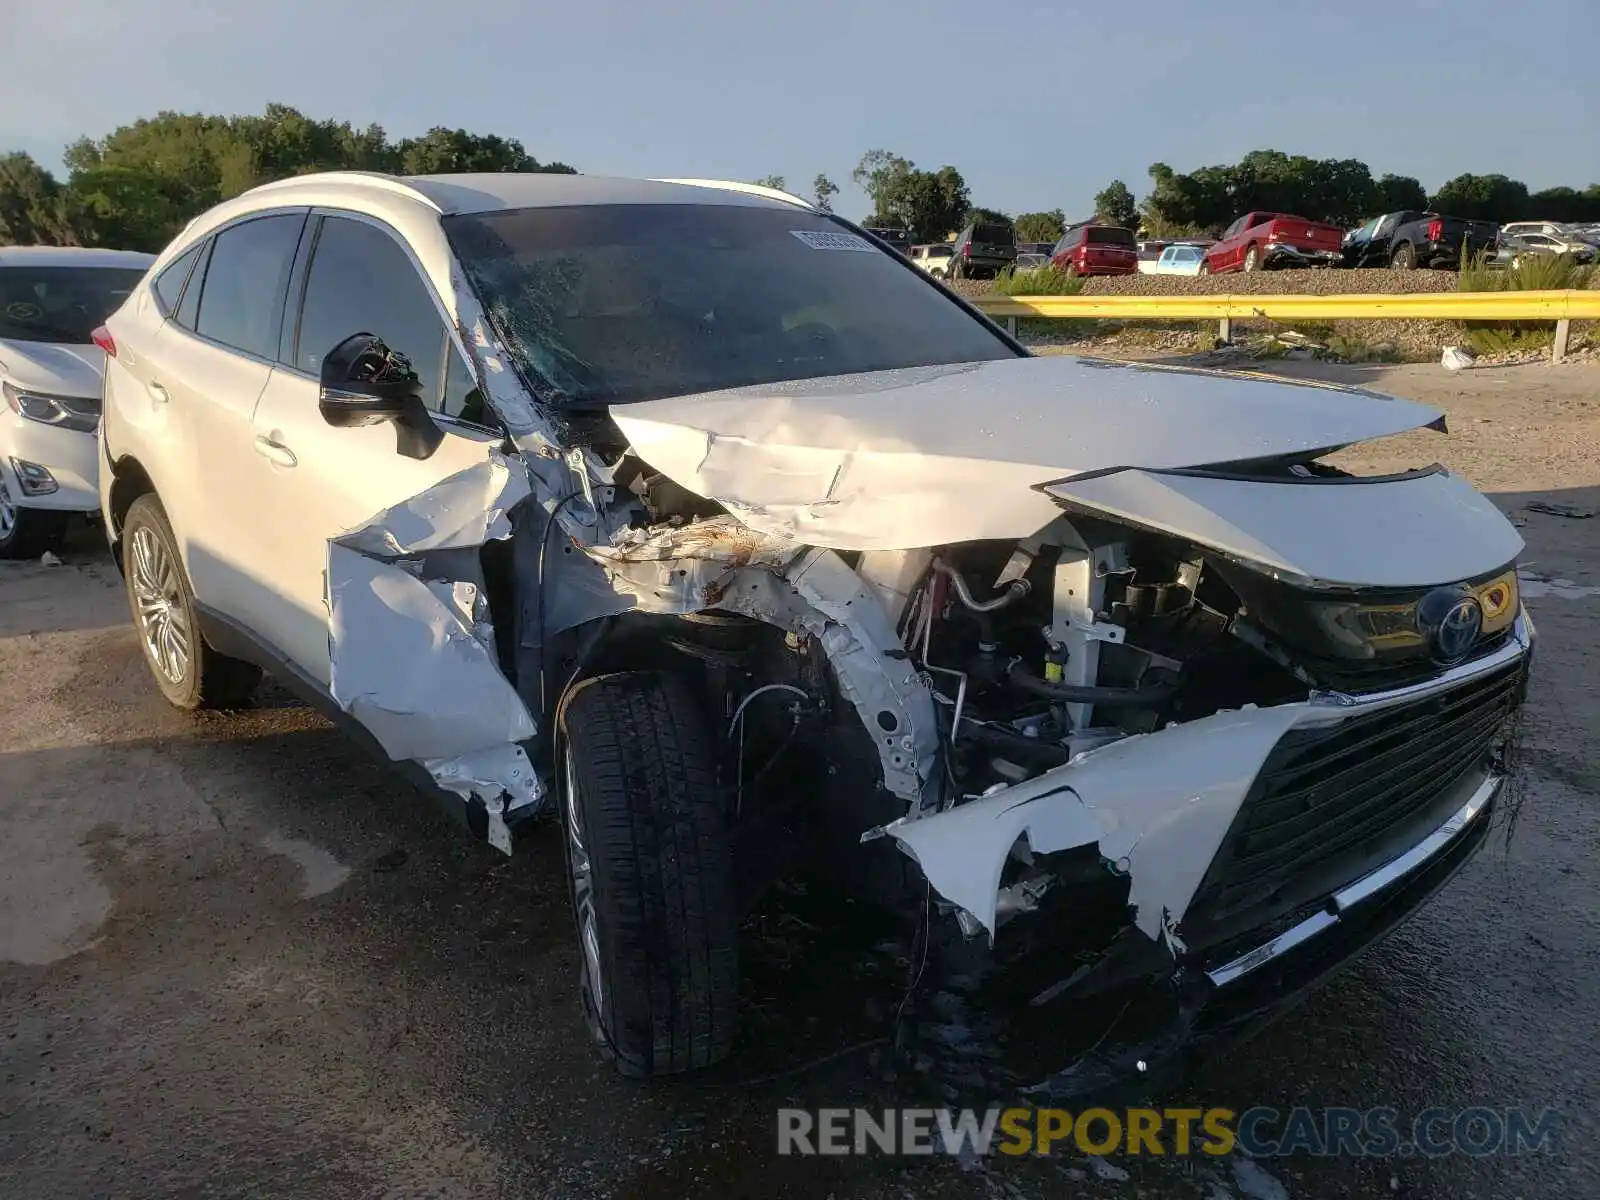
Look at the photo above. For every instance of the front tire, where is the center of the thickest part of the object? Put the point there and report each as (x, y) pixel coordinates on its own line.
(189, 673)
(650, 864)
(28, 532)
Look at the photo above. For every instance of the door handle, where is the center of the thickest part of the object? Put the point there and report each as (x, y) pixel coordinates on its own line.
(158, 393)
(273, 450)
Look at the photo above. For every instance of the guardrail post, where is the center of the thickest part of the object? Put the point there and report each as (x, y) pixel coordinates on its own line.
(1558, 348)
(1225, 329)
(1011, 326)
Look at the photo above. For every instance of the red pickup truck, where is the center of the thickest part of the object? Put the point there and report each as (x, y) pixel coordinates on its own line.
(1259, 241)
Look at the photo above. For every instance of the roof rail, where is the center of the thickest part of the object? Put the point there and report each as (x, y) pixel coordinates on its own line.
(378, 179)
(751, 189)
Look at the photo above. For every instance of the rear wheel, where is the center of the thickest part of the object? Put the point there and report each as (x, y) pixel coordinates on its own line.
(189, 673)
(1404, 258)
(650, 865)
(28, 532)
(1205, 268)
(1252, 259)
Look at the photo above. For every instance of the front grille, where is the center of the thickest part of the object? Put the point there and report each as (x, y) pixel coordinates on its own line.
(1332, 803)
(1358, 676)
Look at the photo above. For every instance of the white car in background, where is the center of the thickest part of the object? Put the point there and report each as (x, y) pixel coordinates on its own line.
(51, 301)
(1179, 260)
(934, 259)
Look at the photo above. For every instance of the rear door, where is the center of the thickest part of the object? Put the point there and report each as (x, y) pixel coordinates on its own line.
(203, 372)
(316, 482)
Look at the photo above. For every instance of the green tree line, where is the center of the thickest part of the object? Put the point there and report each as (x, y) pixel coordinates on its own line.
(1342, 191)
(135, 188)
(935, 204)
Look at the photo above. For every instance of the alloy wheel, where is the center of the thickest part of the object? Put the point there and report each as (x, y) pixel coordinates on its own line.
(582, 870)
(159, 606)
(8, 512)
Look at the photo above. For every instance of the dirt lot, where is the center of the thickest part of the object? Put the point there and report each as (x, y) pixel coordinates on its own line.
(236, 959)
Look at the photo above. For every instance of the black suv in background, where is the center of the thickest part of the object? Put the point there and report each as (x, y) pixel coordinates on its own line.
(983, 251)
(900, 239)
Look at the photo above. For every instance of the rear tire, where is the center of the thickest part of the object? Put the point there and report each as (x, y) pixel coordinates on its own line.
(1205, 268)
(1252, 259)
(28, 532)
(1404, 258)
(650, 864)
(189, 673)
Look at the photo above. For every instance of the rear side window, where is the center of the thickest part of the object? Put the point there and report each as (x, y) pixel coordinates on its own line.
(362, 281)
(1111, 237)
(241, 304)
(169, 284)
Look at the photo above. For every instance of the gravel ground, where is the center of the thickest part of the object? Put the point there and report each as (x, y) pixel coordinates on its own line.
(237, 961)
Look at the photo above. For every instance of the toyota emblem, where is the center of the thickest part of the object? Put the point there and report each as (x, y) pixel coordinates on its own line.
(1451, 619)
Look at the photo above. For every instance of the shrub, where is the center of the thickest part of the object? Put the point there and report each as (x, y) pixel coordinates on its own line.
(1537, 273)
(1041, 281)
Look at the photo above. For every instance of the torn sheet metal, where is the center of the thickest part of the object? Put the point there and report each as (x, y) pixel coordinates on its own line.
(875, 675)
(1157, 805)
(1435, 528)
(935, 455)
(412, 650)
(725, 565)
(688, 567)
(467, 509)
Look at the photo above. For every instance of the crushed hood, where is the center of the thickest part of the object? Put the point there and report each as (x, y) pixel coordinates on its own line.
(933, 455)
(53, 368)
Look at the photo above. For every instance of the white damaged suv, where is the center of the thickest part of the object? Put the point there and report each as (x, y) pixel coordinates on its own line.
(682, 513)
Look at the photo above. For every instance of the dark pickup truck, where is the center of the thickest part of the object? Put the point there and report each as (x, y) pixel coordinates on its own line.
(1417, 239)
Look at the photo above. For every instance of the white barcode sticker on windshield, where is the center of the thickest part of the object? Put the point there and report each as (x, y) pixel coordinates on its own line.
(823, 240)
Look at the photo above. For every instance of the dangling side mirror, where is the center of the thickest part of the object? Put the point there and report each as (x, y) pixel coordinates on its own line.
(364, 383)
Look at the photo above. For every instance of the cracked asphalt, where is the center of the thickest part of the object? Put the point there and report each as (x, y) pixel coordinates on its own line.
(237, 959)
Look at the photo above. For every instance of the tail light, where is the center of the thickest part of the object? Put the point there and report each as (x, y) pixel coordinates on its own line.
(102, 337)
(1435, 229)
(966, 251)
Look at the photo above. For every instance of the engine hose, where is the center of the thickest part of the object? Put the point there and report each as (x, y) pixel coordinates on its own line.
(1088, 694)
(1011, 742)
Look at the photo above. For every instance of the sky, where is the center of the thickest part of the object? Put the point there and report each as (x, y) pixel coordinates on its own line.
(1039, 105)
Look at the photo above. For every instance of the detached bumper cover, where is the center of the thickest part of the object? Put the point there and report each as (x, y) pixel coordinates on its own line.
(1347, 774)
(1278, 252)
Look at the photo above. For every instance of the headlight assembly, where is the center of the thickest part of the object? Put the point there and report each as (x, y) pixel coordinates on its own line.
(64, 412)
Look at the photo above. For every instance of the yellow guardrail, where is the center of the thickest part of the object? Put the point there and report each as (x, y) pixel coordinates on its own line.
(1440, 306)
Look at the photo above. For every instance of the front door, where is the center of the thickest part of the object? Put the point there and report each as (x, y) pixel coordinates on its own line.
(316, 481)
